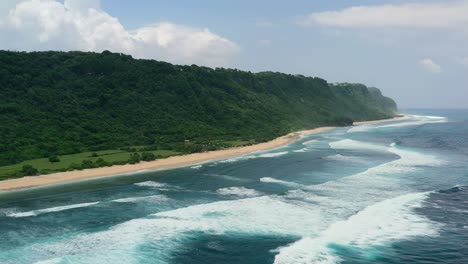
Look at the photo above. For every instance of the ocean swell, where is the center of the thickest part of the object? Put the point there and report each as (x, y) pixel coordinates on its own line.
(378, 224)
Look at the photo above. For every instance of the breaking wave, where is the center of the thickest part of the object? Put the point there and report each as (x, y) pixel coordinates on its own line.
(151, 184)
(254, 156)
(339, 157)
(286, 183)
(350, 144)
(273, 155)
(378, 224)
(150, 198)
(239, 191)
(417, 120)
(302, 150)
(226, 177)
(317, 213)
(51, 210)
(322, 216)
(310, 142)
(414, 120)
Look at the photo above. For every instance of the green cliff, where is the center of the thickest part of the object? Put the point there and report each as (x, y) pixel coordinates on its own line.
(57, 103)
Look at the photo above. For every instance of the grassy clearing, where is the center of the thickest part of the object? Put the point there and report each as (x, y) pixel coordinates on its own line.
(104, 158)
(45, 166)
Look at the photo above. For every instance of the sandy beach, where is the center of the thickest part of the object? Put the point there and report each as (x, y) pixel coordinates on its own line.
(162, 164)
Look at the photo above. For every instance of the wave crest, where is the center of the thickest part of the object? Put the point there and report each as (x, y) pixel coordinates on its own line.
(378, 224)
(239, 191)
(51, 210)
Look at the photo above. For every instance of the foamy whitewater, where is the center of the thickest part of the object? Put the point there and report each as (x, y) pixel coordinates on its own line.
(390, 192)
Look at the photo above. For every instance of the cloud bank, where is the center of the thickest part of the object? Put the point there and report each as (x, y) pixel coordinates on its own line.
(82, 25)
(430, 66)
(450, 14)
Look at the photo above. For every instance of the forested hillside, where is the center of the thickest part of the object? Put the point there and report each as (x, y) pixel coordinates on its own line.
(57, 103)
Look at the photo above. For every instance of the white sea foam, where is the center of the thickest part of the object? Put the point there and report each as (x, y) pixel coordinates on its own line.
(417, 120)
(252, 215)
(339, 157)
(350, 144)
(286, 183)
(156, 185)
(273, 155)
(302, 150)
(226, 177)
(310, 142)
(8, 211)
(196, 166)
(236, 159)
(413, 120)
(259, 154)
(164, 230)
(370, 186)
(410, 159)
(378, 224)
(317, 213)
(51, 210)
(359, 128)
(239, 191)
(150, 198)
(150, 184)
(267, 215)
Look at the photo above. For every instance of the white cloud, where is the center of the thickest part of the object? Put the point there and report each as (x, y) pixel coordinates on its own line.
(450, 14)
(430, 66)
(82, 25)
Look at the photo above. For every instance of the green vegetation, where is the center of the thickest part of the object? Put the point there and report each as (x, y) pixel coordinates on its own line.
(78, 161)
(59, 108)
(54, 159)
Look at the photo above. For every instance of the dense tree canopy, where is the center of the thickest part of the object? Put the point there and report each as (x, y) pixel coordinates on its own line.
(56, 103)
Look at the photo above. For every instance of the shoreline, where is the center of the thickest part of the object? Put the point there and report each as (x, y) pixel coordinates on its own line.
(397, 118)
(163, 164)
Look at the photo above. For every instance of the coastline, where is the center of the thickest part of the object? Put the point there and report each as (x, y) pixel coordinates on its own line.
(397, 118)
(163, 164)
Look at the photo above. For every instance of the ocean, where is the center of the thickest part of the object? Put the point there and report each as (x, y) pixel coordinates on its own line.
(393, 192)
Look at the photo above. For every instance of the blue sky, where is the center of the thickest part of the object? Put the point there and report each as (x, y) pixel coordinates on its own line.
(414, 51)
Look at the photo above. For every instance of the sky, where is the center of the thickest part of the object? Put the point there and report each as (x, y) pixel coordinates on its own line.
(415, 51)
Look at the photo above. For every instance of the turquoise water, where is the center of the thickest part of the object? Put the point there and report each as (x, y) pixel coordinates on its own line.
(383, 193)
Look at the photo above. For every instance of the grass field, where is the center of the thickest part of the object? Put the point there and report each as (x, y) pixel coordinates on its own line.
(45, 166)
(112, 156)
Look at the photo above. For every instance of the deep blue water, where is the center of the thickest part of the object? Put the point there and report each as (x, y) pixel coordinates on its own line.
(393, 192)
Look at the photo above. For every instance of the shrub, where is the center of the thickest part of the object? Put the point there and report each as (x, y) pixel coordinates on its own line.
(87, 164)
(148, 156)
(54, 159)
(134, 158)
(29, 170)
(74, 166)
(102, 163)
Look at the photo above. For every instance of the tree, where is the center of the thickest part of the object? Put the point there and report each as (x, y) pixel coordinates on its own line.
(87, 164)
(134, 158)
(148, 156)
(100, 162)
(54, 159)
(29, 170)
